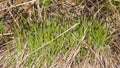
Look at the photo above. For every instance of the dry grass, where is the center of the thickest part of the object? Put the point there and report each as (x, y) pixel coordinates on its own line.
(12, 12)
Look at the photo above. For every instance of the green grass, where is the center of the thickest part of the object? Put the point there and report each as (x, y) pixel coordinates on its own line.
(46, 2)
(2, 28)
(63, 35)
(43, 41)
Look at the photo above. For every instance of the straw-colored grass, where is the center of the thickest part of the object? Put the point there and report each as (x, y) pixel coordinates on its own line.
(59, 34)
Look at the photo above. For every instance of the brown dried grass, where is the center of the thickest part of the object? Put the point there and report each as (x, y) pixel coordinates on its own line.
(109, 58)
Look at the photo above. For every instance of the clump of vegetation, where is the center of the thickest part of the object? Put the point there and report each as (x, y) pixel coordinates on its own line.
(52, 34)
